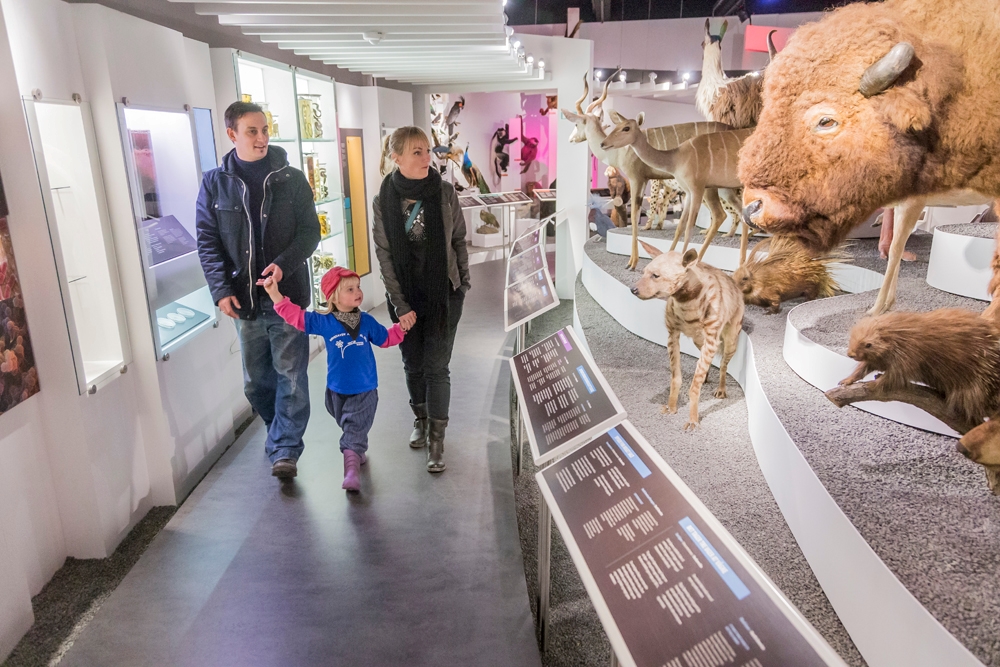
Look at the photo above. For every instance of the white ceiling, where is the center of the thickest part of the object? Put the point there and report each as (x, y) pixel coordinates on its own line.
(422, 42)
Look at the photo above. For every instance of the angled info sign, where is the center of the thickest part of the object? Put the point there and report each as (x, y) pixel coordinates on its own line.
(671, 586)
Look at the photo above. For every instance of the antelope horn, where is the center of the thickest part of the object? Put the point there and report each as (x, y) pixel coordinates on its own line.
(586, 92)
(884, 73)
(772, 51)
(600, 100)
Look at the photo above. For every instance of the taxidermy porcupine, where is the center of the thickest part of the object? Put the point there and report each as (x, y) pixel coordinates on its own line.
(787, 272)
(953, 351)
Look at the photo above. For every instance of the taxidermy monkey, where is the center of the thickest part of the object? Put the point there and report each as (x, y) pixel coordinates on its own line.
(501, 158)
(787, 272)
(953, 351)
(551, 102)
(529, 151)
(452, 119)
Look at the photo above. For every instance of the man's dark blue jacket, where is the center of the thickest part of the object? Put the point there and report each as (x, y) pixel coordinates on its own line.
(289, 225)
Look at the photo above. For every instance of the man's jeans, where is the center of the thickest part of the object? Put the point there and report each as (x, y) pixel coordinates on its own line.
(275, 381)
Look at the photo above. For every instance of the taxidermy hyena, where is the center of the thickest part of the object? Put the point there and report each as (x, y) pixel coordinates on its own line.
(704, 304)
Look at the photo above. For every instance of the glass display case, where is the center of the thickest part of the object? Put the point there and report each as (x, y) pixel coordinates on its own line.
(317, 119)
(69, 174)
(272, 86)
(164, 154)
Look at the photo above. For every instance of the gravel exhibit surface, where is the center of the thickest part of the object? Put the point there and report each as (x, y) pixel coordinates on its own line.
(982, 230)
(923, 508)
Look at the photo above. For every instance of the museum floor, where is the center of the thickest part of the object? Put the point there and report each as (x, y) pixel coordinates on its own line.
(416, 570)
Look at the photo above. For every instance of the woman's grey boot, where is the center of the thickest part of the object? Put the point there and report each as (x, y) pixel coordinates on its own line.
(419, 436)
(435, 445)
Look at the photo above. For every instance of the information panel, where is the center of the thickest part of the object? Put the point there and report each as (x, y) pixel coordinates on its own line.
(167, 239)
(671, 586)
(528, 299)
(469, 201)
(524, 265)
(503, 198)
(525, 242)
(564, 398)
(545, 195)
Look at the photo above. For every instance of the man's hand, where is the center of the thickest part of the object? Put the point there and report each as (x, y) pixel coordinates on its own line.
(227, 304)
(407, 321)
(274, 271)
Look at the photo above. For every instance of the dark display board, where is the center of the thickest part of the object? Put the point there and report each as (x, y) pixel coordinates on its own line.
(525, 242)
(671, 586)
(524, 265)
(166, 239)
(504, 198)
(528, 299)
(545, 195)
(564, 398)
(468, 201)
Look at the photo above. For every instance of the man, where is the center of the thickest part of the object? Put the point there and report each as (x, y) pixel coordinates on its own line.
(256, 218)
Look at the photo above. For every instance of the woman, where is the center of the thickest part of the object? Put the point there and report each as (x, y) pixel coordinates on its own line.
(419, 235)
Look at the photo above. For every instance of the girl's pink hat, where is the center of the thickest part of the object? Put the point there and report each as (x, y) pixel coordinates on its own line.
(333, 277)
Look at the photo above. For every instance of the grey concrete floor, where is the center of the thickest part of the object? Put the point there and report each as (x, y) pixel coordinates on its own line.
(415, 570)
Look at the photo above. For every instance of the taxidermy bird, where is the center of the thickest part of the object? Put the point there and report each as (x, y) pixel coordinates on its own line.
(452, 119)
(529, 151)
(501, 158)
(490, 224)
(551, 102)
(472, 174)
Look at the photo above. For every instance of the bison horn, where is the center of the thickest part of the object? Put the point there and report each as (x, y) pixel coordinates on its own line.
(772, 51)
(586, 92)
(884, 73)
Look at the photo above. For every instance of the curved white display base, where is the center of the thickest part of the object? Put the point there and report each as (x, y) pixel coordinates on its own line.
(960, 264)
(888, 625)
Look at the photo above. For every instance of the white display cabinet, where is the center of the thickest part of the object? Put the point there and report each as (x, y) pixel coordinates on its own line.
(272, 86)
(165, 160)
(72, 185)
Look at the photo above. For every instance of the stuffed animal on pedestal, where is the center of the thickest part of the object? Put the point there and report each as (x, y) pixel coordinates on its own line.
(551, 102)
(529, 152)
(498, 147)
(786, 272)
(704, 305)
(490, 223)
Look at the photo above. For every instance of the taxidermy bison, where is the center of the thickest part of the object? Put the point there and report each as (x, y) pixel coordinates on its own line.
(874, 104)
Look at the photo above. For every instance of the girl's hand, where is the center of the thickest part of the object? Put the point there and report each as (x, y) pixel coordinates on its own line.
(407, 321)
(270, 286)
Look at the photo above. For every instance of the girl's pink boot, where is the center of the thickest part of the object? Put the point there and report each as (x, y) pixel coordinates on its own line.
(352, 463)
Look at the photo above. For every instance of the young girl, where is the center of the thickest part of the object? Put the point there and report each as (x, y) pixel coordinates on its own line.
(351, 378)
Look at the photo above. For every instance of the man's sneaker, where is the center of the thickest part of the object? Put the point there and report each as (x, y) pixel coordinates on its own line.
(284, 469)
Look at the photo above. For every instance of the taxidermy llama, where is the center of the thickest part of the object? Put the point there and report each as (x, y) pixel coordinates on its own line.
(736, 102)
(705, 161)
(588, 128)
(704, 305)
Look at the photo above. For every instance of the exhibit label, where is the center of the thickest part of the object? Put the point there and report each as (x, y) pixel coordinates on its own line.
(525, 242)
(166, 239)
(672, 588)
(525, 264)
(564, 398)
(528, 299)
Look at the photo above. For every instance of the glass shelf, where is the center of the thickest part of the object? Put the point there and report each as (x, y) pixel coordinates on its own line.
(328, 200)
(318, 141)
(72, 190)
(282, 141)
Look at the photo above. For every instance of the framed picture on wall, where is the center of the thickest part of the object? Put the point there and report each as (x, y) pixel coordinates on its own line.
(18, 375)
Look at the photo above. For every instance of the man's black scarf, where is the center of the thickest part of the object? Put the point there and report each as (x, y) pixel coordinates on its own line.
(427, 294)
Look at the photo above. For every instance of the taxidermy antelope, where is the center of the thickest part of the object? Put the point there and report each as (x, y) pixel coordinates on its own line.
(588, 128)
(704, 161)
(736, 102)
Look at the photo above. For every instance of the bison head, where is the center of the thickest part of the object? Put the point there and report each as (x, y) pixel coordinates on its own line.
(848, 121)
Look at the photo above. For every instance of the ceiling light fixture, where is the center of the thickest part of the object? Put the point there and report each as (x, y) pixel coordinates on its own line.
(687, 76)
(373, 36)
(622, 77)
(541, 64)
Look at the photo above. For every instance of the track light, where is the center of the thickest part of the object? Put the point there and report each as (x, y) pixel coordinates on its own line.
(530, 59)
(541, 64)
(622, 77)
(517, 44)
(687, 76)
(597, 75)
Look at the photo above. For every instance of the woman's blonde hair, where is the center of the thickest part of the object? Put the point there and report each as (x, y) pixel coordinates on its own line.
(404, 136)
(332, 297)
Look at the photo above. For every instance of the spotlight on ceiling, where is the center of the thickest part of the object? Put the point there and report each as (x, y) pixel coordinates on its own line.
(516, 44)
(530, 59)
(373, 36)
(541, 64)
(597, 75)
(622, 77)
(687, 76)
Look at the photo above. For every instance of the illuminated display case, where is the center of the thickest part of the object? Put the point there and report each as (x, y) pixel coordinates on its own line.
(166, 153)
(69, 174)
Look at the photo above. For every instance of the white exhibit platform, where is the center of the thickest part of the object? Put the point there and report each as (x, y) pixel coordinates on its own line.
(887, 623)
(960, 263)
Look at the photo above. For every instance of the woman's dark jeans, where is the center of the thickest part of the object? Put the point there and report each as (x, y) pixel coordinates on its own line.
(425, 360)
